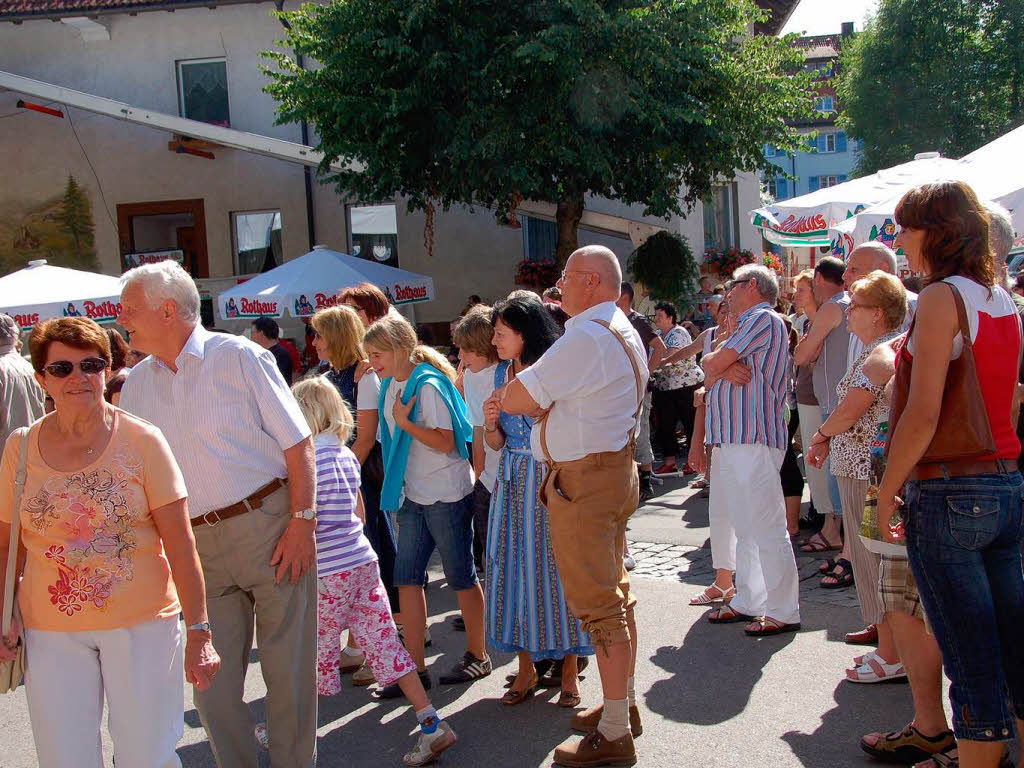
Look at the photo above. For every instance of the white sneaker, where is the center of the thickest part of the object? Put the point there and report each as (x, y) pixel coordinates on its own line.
(430, 745)
(628, 561)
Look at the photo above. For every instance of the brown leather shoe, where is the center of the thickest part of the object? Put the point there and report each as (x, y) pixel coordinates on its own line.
(587, 720)
(594, 749)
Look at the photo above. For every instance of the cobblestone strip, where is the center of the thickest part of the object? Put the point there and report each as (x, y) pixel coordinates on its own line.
(692, 565)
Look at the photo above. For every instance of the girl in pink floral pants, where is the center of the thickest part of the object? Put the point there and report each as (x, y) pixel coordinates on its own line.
(356, 600)
(351, 594)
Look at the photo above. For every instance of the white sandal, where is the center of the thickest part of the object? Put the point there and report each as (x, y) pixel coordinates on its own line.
(874, 670)
(708, 598)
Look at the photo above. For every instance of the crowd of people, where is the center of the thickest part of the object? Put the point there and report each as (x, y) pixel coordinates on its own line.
(158, 544)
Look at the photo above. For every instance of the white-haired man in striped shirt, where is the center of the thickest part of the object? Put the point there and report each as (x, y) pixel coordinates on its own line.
(750, 436)
(245, 451)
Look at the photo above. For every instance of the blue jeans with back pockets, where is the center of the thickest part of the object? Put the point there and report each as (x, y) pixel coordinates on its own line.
(964, 539)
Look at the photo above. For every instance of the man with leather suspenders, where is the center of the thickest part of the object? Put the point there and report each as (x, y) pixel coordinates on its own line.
(586, 393)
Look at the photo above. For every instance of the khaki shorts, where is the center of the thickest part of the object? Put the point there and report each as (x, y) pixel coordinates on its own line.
(589, 502)
(898, 590)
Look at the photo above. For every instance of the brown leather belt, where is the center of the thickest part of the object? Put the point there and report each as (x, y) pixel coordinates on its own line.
(249, 503)
(961, 469)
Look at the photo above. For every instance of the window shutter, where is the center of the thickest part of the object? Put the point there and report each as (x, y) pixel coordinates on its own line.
(842, 178)
(812, 183)
(822, 146)
(780, 188)
(840, 142)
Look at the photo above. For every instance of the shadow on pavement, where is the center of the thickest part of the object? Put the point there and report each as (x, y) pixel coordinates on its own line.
(719, 658)
(860, 709)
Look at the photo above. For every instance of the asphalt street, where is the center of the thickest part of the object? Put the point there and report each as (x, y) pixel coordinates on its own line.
(709, 696)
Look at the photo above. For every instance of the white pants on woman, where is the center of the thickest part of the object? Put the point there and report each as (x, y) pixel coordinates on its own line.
(723, 537)
(817, 477)
(140, 669)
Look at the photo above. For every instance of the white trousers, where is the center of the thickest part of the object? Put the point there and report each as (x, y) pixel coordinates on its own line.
(140, 669)
(723, 537)
(817, 477)
(766, 578)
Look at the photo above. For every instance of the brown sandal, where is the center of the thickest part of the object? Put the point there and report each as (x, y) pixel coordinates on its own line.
(569, 700)
(908, 746)
(513, 697)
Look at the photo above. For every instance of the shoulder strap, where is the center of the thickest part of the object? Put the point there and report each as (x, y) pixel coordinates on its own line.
(12, 552)
(632, 360)
(636, 374)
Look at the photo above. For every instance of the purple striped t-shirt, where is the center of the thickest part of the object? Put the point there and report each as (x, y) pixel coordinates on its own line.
(341, 544)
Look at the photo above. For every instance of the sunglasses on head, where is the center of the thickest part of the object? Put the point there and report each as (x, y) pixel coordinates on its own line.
(61, 369)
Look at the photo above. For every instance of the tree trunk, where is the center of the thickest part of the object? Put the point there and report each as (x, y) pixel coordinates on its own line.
(567, 216)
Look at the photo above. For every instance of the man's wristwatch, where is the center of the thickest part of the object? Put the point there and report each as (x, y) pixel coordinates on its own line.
(202, 626)
(305, 514)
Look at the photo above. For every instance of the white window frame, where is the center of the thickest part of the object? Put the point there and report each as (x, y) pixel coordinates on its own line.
(181, 90)
(827, 105)
(234, 234)
(830, 142)
(828, 180)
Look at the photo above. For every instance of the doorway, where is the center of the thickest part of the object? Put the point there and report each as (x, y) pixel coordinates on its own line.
(164, 229)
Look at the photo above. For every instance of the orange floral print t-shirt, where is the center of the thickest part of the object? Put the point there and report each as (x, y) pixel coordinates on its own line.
(95, 559)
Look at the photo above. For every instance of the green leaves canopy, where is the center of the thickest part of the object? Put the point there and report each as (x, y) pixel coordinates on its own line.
(491, 101)
(933, 75)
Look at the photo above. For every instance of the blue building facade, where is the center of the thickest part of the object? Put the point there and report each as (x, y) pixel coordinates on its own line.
(830, 155)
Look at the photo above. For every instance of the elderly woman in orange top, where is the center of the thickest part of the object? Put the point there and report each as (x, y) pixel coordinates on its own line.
(109, 553)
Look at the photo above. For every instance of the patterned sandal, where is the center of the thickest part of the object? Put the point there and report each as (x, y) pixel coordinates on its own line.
(908, 746)
(708, 597)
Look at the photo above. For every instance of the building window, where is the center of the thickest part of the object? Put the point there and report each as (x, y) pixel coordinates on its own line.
(718, 218)
(821, 182)
(825, 105)
(374, 231)
(778, 188)
(257, 240)
(203, 90)
(540, 239)
(830, 142)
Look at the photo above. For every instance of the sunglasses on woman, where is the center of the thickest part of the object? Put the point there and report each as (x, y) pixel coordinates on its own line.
(90, 366)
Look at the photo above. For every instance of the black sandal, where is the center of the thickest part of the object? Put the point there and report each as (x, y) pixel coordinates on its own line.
(827, 567)
(842, 580)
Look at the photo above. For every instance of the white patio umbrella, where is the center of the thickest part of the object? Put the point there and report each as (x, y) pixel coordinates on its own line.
(805, 221)
(312, 281)
(41, 291)
(995, 172)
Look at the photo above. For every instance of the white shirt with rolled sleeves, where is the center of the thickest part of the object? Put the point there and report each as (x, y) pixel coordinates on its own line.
(588, 383)
(226, 413)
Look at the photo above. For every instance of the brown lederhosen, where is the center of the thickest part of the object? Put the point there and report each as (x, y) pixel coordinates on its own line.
(589, 502)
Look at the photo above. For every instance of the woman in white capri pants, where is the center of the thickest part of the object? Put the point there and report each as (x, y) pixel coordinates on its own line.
(109, 551)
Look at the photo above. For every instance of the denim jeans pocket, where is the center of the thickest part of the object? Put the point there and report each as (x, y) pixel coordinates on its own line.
(973, 520)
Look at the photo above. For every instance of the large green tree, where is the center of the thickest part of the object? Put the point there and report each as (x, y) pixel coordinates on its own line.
(933, 75)
(490, 102)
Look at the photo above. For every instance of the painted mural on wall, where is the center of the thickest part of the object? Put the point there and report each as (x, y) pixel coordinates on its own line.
(59, 229)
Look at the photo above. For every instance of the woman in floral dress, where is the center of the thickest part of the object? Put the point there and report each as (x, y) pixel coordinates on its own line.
(674, 386)
(526, 609)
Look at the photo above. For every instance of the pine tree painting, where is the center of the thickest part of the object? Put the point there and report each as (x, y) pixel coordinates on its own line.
(76, 216)
(59, 229)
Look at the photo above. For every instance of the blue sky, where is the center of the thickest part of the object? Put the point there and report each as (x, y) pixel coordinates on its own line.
(823, 17)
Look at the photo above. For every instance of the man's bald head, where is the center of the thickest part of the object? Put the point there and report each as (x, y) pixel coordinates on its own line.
(866, 258)
(884, 257)
(592, 276)
(605, 264)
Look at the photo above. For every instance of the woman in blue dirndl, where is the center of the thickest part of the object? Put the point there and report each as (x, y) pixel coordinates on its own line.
(526, 609)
